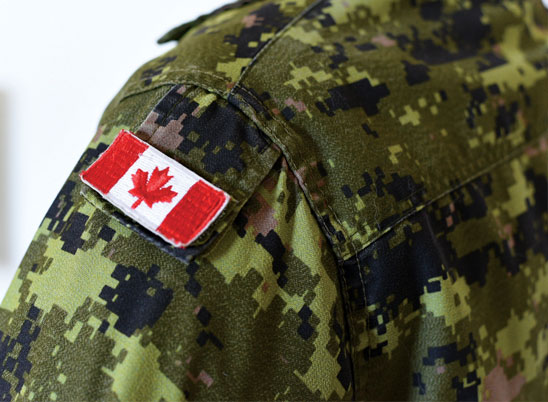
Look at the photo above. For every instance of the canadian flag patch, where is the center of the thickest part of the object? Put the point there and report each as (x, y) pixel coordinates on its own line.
(155, 190)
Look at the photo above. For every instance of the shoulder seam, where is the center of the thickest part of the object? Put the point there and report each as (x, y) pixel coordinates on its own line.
(509, 157)
(267, 45)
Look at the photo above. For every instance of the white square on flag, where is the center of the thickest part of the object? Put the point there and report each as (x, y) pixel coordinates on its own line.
(155, 190)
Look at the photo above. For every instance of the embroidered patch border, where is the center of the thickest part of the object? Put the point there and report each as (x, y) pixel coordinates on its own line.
(155, 190)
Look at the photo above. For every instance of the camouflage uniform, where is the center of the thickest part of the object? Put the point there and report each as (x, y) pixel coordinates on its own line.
(387, 237)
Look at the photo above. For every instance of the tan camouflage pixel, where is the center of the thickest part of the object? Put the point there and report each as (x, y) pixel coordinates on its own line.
(388, 237)
(101, 310)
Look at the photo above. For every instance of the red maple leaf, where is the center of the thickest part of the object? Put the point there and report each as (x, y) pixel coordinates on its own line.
(151, 190)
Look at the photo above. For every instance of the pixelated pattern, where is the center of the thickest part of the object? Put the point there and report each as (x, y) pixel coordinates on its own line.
(382, 74)
(102, 309)
(379, 69)
(388, 238)
(138, 300)
(212, 131)
(14, 353)
(460, 301)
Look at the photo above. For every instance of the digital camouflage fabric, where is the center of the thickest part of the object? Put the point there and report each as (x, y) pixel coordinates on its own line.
(387, 237)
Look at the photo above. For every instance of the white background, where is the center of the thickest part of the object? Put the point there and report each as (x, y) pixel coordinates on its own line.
(61, 62)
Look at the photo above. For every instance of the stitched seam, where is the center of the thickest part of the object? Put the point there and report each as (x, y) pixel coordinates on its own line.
(132, 127)
(188, 94)
(128, 90)
(265, 47)
(349, 313)
(201, 86)
(279, 143)
(277, 35)
(366, 313)
(356, 233)
(312, 205)
(299, 155)
(303, 187)
(350, 318)
(268, 130)
(352, 321)
(355, 252)
(419, 207)
(515, 153)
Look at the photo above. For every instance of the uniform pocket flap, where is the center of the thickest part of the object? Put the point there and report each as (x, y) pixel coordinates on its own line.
(181, 179)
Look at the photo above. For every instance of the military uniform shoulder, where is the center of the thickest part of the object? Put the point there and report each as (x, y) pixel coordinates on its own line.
(414, 133)
(379, 108)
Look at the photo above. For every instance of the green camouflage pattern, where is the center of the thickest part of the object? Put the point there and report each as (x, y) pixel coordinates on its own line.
(102, 310)
(387, 237)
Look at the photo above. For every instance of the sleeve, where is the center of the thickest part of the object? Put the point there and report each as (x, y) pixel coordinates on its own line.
(102, 309)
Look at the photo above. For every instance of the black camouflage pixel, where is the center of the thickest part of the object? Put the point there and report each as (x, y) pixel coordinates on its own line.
(387, 237)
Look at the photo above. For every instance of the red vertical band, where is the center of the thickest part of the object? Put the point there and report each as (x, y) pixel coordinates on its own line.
(192, 213)
(114, 162)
